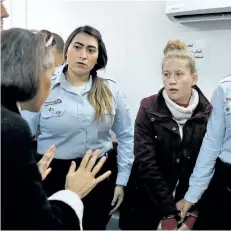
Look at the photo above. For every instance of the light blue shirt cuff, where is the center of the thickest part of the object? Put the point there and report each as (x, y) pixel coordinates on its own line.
(193, 195)
(122, 179)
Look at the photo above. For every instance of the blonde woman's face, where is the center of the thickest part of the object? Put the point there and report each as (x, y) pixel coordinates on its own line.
(178, 80)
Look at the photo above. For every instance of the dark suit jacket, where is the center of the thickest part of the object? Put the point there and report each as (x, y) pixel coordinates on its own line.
(24, 203)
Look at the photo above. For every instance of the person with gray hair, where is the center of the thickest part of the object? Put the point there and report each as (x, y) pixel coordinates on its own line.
(27, 64)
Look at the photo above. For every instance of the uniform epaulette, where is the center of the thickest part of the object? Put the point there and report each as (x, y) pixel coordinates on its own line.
(226, 79)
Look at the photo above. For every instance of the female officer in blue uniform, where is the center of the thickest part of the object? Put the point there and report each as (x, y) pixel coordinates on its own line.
(210, 182)
(78, 116)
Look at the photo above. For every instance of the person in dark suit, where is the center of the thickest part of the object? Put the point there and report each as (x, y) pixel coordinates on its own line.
(26, 67)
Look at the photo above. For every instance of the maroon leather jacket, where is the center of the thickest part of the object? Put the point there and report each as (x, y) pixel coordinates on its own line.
(162, 159)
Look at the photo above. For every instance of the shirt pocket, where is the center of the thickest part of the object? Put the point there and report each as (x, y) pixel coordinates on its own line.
(52, 119)
(53, 111)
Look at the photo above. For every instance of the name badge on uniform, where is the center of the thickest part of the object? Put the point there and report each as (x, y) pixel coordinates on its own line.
(57, 101)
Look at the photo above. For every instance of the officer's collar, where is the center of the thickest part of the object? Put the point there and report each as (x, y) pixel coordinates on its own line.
(59, 77)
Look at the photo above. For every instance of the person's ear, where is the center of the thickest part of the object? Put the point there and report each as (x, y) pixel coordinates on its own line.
(195, 79)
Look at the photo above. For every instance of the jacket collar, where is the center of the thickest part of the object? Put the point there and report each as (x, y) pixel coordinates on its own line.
(160, 109)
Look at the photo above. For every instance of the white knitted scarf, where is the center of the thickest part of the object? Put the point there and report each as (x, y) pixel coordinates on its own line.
(181, 114)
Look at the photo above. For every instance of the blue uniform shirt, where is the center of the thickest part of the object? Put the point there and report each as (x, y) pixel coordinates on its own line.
(67, 121)
(216, 143)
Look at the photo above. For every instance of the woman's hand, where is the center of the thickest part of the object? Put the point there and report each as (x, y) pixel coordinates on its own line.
(118, 197)
(184, 207)
(188, 221)
(44, 163)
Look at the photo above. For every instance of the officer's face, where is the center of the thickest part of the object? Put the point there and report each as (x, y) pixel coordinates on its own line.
(4, 14)
(82, 54)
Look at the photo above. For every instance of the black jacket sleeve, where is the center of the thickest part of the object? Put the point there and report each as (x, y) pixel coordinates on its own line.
(24, 203)
(149, 172)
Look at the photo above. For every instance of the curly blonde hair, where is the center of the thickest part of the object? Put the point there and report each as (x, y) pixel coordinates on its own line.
(178, 49)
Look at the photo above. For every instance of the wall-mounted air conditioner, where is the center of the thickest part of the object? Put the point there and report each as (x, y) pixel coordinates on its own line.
(186, 11)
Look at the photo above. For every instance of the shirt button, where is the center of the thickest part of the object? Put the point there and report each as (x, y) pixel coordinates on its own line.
(174, 128)
(156, 137)
(177, 160)
(152, 119)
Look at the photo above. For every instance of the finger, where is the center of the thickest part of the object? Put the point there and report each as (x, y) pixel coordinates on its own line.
(50, 149)
(115, 198)
(92, 161)
(185, 209)
(41, 163)
(53, 150)
(121, 198)
(46, 173)
(119, 202)
(102, 177)
(72, 167)
(50, 159)
(85, 159)
(115, 208)
(46, 160)
(183, 213)
(46, 156)
(98, 166)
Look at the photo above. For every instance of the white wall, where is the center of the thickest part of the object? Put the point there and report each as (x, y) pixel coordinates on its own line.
(135, 33)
